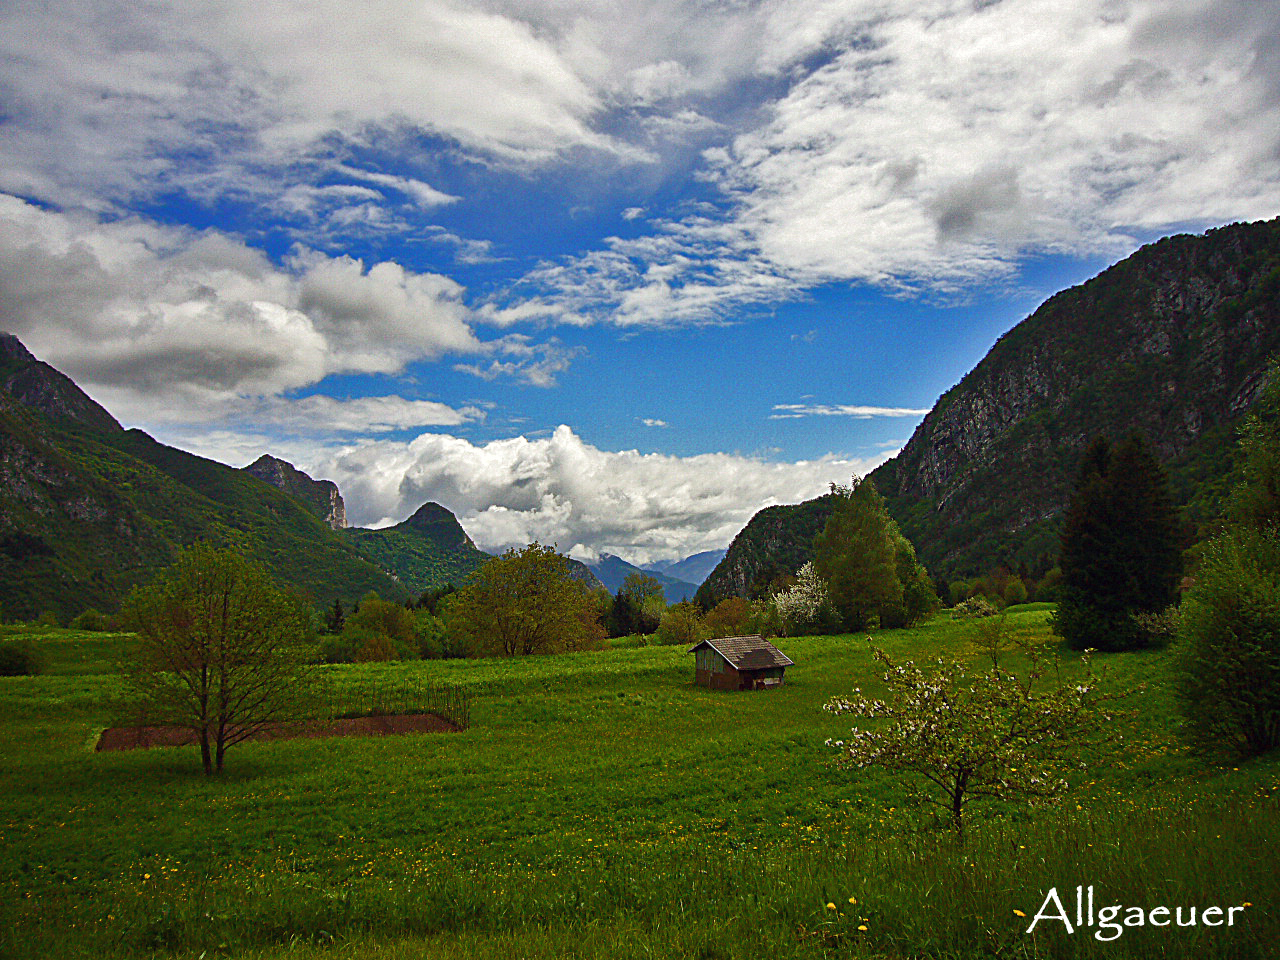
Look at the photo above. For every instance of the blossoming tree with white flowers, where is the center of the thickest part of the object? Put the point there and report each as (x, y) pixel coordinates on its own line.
(805, 603)
(974, 733)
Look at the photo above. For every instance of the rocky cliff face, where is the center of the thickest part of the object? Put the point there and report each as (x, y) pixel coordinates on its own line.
(322, 496)
(1173, 341)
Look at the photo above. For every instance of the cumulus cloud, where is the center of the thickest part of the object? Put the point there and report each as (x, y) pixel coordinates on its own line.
(163, 323)
(563, 490)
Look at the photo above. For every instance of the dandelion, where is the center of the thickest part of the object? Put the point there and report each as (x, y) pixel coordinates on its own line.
(1018, 913)
(831, 906)
(862, 927)
(853, 899)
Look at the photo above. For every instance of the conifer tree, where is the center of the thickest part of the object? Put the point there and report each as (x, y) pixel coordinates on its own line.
(856, 554)
(1120, 553)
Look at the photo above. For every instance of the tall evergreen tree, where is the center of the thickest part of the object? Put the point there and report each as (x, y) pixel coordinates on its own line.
(856, 554)
(1120, 552)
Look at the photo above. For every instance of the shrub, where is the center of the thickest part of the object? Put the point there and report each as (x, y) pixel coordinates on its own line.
(334, 649)
(1158, 629)
(376, 647)
(1229, 655)
(17, 659)
(1015, 591)
(49, 618)
(91, 620)
(973, 609)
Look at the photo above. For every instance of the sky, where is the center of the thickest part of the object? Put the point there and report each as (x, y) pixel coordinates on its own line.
(612, 276)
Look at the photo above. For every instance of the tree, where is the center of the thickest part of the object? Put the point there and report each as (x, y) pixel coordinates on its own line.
(730, 618)
(919, 600)
(1120, 550)
(1228, 654)
(972, 733)
(525, 602)
(1228, 677)
(217, 651)
(381, 630)
(806, 605)
(869, 567)
(682, 623)
(646, 597)
(336, 617)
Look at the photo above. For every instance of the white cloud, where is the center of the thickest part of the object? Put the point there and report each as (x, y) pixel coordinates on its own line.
(650, 422)
(99, 96)
(794, 411)
(163, 323)
(933, 143)
(536, 364)
(423, 194)
(565, 491)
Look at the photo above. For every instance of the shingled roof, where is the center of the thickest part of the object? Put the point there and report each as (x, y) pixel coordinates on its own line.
(747, 653)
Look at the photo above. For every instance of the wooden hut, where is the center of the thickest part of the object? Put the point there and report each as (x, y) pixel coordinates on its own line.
(739, 663)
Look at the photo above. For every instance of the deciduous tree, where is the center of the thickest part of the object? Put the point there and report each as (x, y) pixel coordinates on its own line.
(525, 602)
(869, 567)
(1229, 630)
(217, 651)
(969, 733)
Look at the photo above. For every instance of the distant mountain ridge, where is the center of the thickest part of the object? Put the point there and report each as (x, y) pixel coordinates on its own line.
(1172, 341)
(89, 510)
(693, 569)
(613, 572)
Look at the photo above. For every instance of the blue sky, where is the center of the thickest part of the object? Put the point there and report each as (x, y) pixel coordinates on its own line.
(609, 276)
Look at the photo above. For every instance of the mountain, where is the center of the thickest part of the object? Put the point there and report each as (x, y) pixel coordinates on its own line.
(694, 569)
(775, 542)
(613, 571)
(430, 549)
(1172, 341)
(321, 495)
(45, 390)
(89, 510)
(584, 574)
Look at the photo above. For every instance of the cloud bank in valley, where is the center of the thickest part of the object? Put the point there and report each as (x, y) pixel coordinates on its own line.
(561, 490)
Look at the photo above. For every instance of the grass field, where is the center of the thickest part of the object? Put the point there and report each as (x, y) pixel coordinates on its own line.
(601, 805)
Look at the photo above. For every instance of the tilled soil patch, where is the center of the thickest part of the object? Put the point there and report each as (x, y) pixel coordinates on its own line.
(134, 738)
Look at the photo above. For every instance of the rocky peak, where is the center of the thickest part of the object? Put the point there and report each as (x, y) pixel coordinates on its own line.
(40, 387)
(439, 525)
(321, 496)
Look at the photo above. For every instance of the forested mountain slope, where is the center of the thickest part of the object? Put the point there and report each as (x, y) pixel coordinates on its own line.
(88, 509)
(1173, 341)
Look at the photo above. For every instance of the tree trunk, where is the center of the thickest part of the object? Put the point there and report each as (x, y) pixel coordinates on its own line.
(204, 751)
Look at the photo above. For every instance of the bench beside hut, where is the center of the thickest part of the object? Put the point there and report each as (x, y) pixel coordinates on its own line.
(739, 663)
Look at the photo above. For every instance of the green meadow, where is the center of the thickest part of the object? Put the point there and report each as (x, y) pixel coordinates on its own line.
(601, 805)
